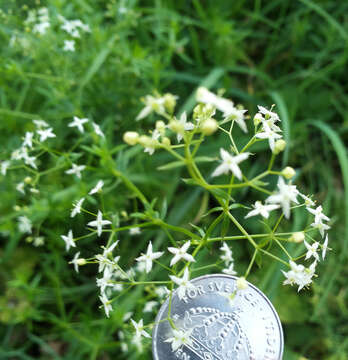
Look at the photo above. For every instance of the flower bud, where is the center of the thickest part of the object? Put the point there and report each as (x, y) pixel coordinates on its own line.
(209, 126)
(279, 146)
(297, 237)
(169, 102)
(29, 239)
(131, 137)
(160, 127)
(144, 140)
(288, 172)
(81, 262)
(28, 180)
(242, 284)
(166, 141)
(257, 119)
(16, 208)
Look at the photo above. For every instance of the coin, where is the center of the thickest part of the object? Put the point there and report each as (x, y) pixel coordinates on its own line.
(221, 322)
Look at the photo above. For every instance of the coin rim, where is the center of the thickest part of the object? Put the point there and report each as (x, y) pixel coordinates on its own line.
(159, 315)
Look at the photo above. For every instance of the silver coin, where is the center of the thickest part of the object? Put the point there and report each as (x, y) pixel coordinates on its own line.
(220, 325)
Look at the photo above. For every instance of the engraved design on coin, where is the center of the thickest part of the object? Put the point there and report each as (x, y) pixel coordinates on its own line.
(215, 321)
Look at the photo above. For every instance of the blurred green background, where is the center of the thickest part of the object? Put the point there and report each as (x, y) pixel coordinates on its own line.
(292, 53)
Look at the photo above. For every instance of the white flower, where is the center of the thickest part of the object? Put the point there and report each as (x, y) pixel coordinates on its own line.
(312, 250)
(149, 257)
(179, 339)
(39, 241)
(20, 187)
(270, 134)
(319, 215)
(230, 163)
(99, 223)
(69, 45)
(299, 275)
(45, 134)
(261, 209)
(4, 166)
(69, 240)
(77, 207)
(78, 123)
(30, 160)
(97, 188)
(308, 201)
(106, 303)
(187, 126)
(139, 328)
(127, 316)
(181, 253)
(28, 140)
(230, 270)
(184, 283)
(238, 116)
(151, 104)
(227, 256)
(268, 114)
(76, 169)
(135, 231)
(321, 227)
(77, 262)
(40, 124)
(285, 195)
(41, 28)
(324, 247)
(24, 225)
(97, 129)
(203, 95)
(149, 306)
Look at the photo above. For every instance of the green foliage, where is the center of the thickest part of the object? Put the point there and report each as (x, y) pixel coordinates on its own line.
(292, 53)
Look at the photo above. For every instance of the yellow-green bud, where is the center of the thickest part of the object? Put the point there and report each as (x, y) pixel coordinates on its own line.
(16, 208)
(81, 261)
(279, 146)
(131, 137)
(28, 180)
(197, 111)
(257, 119)
(242, 284)
(209, 126)
(177, 127)
(288, 172)
(169, 102)
(166, 141)
(297, 237)
(124, 213)
(29, 239)
(160, 126)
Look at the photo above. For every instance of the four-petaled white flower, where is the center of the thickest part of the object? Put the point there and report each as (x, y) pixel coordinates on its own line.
(205, 96)
(187, 126)
(151, 104)
(40, 124)
(28, 139)
(69, 45)
(184, 283)
(97, 188)
(78, 123)
(139, 328)
(319, 215)
(268, 114)
(238, 116)
(99, 223)
(24, 225)
(230, 163)
(181, 253)
(69, 240)
(75, 261)
(227, 256)
(308, 201)
(286, 194)
(20, 187)
(268, 133)
(106, 303)
(149, 257)
(321, 227)
(263, 210)
(77, 207)
(150, 305)
(179, 339)
(97, 130)
(230, 270)
(312, 250)
(45, 134)
(299, 275)
(76, 169)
